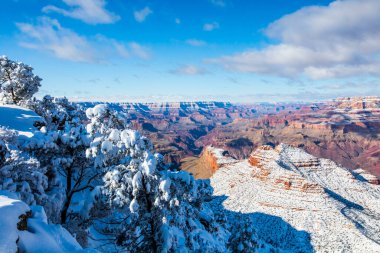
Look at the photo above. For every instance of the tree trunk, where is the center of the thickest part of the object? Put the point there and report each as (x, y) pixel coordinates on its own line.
(65, 209)
(151, 221)
(69, 195)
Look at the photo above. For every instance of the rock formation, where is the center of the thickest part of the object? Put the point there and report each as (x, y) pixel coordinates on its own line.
(208, 163)
(338, 208)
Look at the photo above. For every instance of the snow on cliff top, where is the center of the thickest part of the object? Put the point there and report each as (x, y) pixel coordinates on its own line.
(299, 194)
(219, 155)
(19, 119)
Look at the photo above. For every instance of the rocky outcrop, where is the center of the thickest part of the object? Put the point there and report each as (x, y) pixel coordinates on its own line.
(361, 174)
(339, 209)
(359, 103)
(22, 225)
(264, 157)
(258, 158)
(210, 160)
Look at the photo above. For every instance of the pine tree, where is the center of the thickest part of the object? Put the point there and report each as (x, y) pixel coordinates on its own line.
(17, 81)
(19, 172)
(142, 205)
(60, 147)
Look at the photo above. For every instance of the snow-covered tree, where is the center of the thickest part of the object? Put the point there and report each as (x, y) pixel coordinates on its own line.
(60, 147)
(142, 206)
(105, 128)
(19, 172)
(57, 111)
(17, 81)
(243, 236)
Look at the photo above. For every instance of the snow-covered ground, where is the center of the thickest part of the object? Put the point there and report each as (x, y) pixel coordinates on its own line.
(39, 237)
(293, 195)
(19, 119)
(10, 210)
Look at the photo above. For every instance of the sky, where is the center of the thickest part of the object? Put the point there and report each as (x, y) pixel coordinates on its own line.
(224, 50)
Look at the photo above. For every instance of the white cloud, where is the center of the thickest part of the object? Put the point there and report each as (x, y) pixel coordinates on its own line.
(177, 21)
(48, 35)
(338, 40)
(190, 70)
(141, 15)
(220, 3)
(208, 27)
(91, 12)
(121, 49)
(139, 50)
(196, 43)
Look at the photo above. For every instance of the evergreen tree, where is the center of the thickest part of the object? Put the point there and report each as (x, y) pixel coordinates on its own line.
(17, 81)
(142, 205)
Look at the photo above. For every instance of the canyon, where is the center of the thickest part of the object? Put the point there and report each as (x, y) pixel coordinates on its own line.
(345, 130)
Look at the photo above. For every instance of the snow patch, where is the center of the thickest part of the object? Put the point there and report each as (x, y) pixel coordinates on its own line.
(19, 119)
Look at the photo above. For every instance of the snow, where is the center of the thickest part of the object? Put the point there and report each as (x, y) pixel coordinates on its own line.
(19, 119)
(39, 237)
(106, 146)
(43, 237)
(165, 188)
(339, 212)
(137, 181)
(134, 206)
(221, 159)
(129, 137)
(96, 111)
(114, 135)
(184, 176)
(149, 164)
(10, 210)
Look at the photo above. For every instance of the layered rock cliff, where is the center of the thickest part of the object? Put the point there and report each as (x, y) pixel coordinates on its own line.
(210, 160)
(338, 208)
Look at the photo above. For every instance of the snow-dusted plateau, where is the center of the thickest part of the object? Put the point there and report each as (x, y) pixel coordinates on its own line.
(299, 202)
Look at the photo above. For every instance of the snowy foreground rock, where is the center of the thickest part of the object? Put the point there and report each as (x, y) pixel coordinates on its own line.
(298, 202)
(25, 229)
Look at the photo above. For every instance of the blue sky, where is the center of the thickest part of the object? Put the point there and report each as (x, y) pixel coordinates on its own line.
(239, 51)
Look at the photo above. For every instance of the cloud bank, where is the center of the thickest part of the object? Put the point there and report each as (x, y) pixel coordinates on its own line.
(49, 36)
(317, 42)
(91, 12)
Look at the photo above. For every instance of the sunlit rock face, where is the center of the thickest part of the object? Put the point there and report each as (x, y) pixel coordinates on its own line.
(337, 207)
(210, 160)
